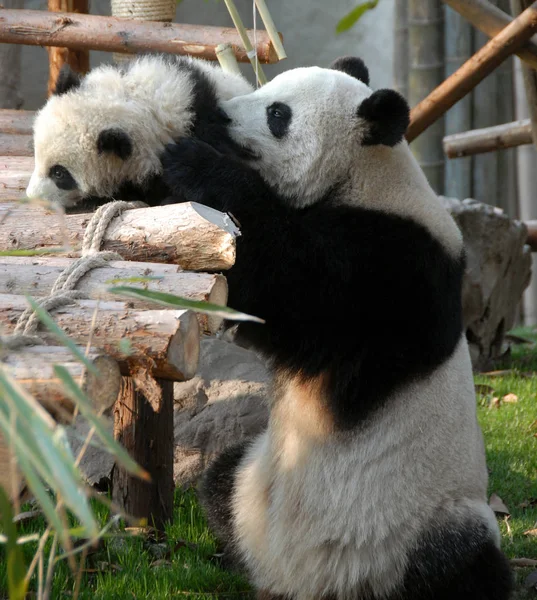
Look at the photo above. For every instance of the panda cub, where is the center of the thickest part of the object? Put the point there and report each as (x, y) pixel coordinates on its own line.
(101, 136)
(370, 481)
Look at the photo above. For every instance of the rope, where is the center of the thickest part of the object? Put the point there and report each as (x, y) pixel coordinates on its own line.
(142, 10)
(63, 291)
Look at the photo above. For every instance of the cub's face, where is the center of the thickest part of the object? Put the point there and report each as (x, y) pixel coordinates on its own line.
(90, 139)
(308, 127)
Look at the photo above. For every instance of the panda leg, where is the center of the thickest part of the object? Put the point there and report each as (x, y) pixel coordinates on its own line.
(216, 488)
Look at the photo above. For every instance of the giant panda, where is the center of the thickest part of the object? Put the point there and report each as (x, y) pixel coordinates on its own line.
(370, 480)
(101, 136)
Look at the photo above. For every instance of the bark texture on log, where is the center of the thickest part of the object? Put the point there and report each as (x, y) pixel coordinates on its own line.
(489, 19)
(14, 144)
(36, 276)
(472, 72)
(33, 368)
(10, 68)
(148, 437)
(92, 32)
(16, 121)
(488, 139)
(78, 60)
(15, 173)
(163, 342)
(193, 236)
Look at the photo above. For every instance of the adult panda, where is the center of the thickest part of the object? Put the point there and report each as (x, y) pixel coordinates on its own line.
(101, 136)
(370, 481)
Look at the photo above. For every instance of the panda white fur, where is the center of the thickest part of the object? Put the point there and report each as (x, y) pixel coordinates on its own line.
(370, 482)
(101, 136)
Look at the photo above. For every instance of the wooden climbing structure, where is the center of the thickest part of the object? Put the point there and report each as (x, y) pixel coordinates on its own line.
(185, 246)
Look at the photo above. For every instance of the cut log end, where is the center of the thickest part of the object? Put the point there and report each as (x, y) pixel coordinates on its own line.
(183, 350)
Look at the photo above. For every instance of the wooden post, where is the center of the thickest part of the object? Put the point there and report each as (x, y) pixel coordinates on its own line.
(400, 48)
(489, 19)
(148, 437)
(78, 60)
(472, 72)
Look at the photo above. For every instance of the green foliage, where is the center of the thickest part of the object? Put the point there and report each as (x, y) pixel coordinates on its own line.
(171, 300)
(350, 19)
(15, 566)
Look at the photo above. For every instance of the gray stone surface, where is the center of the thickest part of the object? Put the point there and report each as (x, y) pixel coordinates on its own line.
(225, 404)
(497, 273)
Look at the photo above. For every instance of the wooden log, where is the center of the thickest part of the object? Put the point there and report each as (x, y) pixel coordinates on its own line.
(36, 276)
(78, 60)
(165, 342)
(472, 72)
(193, 236)
(488, 139)
(16, 121)
(490, 20)
(532, 234)
(32, 367)
(15, 173)
(13, 144)
(148, 437)
(112, 34)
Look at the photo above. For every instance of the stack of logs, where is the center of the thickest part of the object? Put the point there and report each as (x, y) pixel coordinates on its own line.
(183, 245)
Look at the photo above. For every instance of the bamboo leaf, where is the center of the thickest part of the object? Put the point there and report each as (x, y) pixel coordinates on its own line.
(165, 299)
(147, 279)
(350, 19)
(63, 338)
(16, 569)
(36, 252)
(85, 407)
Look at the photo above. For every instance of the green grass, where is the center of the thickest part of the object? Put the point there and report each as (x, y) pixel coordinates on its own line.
(126, 568)
(183, 566)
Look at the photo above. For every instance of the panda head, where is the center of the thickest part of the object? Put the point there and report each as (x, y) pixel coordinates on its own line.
(310, 128)
(100, 132)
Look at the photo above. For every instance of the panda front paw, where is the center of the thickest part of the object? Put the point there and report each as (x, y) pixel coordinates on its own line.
(187, 166)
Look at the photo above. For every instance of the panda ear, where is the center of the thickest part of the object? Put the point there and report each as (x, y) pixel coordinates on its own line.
(353, 66)
(67, 80)
(114, 141)
(387, 115)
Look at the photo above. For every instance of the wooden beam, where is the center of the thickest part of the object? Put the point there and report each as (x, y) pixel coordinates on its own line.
(16, 121)
(92, 32)
(15, 144)
(78, 60)
(36, 276)
(472, 72)
(162, 342)
(488, 139)
(490, 20)
(33, 368)
(191, 235)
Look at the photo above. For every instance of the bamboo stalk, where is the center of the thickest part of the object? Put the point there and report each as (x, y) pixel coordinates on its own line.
(271, 29)
(472, 72)
(226, 58)
(250, 51)
(530, 79)
(458, 40)
(400, 48)
(488, 139)
(489, 19)
(426, 72)
(92, 32)
(78, 60)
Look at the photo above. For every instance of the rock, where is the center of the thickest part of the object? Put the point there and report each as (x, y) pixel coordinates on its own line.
(225, 404)
(96, 464)
(498, 271)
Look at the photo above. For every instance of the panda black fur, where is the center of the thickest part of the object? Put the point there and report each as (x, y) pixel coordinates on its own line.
(101, 136)
(370, 481)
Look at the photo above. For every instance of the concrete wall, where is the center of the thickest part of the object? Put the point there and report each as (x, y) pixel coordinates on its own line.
(308, 27)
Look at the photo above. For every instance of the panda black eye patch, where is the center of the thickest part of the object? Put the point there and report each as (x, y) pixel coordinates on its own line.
(278, 119)
(62, 178)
